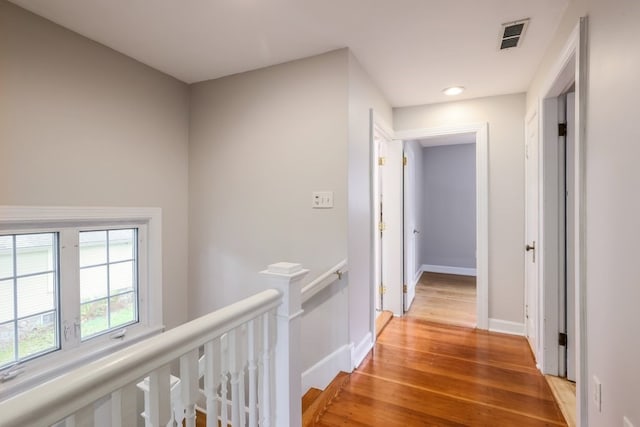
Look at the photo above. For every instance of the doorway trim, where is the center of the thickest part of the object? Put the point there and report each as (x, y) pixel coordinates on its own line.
(481, 130)
(569, 68)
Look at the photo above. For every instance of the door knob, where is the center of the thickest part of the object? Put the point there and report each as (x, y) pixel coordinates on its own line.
(531, 247)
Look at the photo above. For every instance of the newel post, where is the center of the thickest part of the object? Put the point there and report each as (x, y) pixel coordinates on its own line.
(287, 278)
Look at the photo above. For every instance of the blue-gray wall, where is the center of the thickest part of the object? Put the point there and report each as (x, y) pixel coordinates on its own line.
(448, 223)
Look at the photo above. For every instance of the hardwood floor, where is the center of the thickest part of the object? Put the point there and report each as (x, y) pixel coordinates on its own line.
(422, 373)
(445, 298)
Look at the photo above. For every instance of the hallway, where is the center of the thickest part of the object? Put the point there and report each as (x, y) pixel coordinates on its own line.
(426, 374)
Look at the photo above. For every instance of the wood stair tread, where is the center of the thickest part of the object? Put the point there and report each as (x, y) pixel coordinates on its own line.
(309, 397)
(321, 401)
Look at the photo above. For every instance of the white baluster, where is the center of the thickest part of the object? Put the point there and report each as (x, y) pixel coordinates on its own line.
(265, 404)
(233, 369)
(159, 397)
(252, 367)
(224, 369)
(189, 385)
(116, 408)
(242, 349)
(211, 380)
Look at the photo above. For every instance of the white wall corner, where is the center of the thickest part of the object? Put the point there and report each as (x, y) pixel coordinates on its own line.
(323, 372)
(506, 327)
(360, 351)
(461, 271)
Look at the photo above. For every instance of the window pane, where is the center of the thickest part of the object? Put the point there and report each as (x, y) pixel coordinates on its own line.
(6, 256)
(121, 277)
(36, 294)
(36, 334)
(7, 354)
(121, 244)
(6, 301)
(93, 248)
(93, 283)
(34, 253)
(93, 318)
(123, 309)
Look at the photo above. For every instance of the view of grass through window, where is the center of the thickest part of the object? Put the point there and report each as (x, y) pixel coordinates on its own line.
(108, 280)
(28, 296)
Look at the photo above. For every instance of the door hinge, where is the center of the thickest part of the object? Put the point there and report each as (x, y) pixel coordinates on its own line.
(526, 311)
(562, 129)
(405, 288)
(404, 161)
(382, 226)
(381, 161)
(383, 289)
(562, 339)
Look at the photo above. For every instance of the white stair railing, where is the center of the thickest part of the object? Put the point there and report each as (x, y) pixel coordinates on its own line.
(218, 335)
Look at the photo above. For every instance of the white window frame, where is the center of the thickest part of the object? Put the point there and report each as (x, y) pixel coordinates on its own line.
(74, 352)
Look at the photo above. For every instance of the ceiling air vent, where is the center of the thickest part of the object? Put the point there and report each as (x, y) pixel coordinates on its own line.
(512, 33)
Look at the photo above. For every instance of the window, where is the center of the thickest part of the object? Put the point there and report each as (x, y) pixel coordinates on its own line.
(108, 280)
(28, 296)
(75, 283)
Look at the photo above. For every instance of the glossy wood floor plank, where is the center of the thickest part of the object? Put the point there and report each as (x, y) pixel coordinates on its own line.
(427, 374)
(445, 298)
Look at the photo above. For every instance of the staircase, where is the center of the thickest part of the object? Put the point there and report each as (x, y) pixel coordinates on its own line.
(316, 401)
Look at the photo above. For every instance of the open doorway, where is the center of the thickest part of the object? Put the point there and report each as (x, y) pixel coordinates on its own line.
(398, 288)
(440, 229)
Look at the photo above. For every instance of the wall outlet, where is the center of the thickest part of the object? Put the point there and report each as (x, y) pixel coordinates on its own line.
(597, 393)
(626, 422)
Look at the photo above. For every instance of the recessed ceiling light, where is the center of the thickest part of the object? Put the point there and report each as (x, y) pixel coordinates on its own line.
(453, 90)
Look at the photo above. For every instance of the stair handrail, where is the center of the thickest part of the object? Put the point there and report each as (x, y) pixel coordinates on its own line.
(324, 280)
(54, 400)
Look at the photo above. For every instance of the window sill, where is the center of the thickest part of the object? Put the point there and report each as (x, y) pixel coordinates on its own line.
(60, 362)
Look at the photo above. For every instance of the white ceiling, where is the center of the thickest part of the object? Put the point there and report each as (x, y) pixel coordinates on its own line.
(411, 48)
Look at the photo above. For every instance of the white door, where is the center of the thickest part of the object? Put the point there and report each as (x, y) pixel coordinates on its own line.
(531, 232)
(570, 238)
(410, 229)
(392, 230)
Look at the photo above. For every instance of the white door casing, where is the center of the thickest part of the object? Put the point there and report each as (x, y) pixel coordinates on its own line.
(531, 243)
(481, 131)
(570, 239)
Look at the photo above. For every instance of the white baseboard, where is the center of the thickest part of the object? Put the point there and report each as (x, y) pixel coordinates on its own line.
(506, 327)
(462, 271)
(323, 372)
(359, 352)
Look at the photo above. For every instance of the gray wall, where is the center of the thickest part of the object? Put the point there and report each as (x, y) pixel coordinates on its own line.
(363, 96)
(82, 125)
(612, 203)
(505, 116)
(260, 143)
(448, 220)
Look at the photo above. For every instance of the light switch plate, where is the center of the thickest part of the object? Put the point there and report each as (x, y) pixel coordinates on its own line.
(322, 199)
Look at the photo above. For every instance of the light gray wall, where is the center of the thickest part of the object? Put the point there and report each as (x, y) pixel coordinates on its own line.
(448, 220)
(505, 116)
(82, 125)
(363, 95)
(612, 205)
(260, 143)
